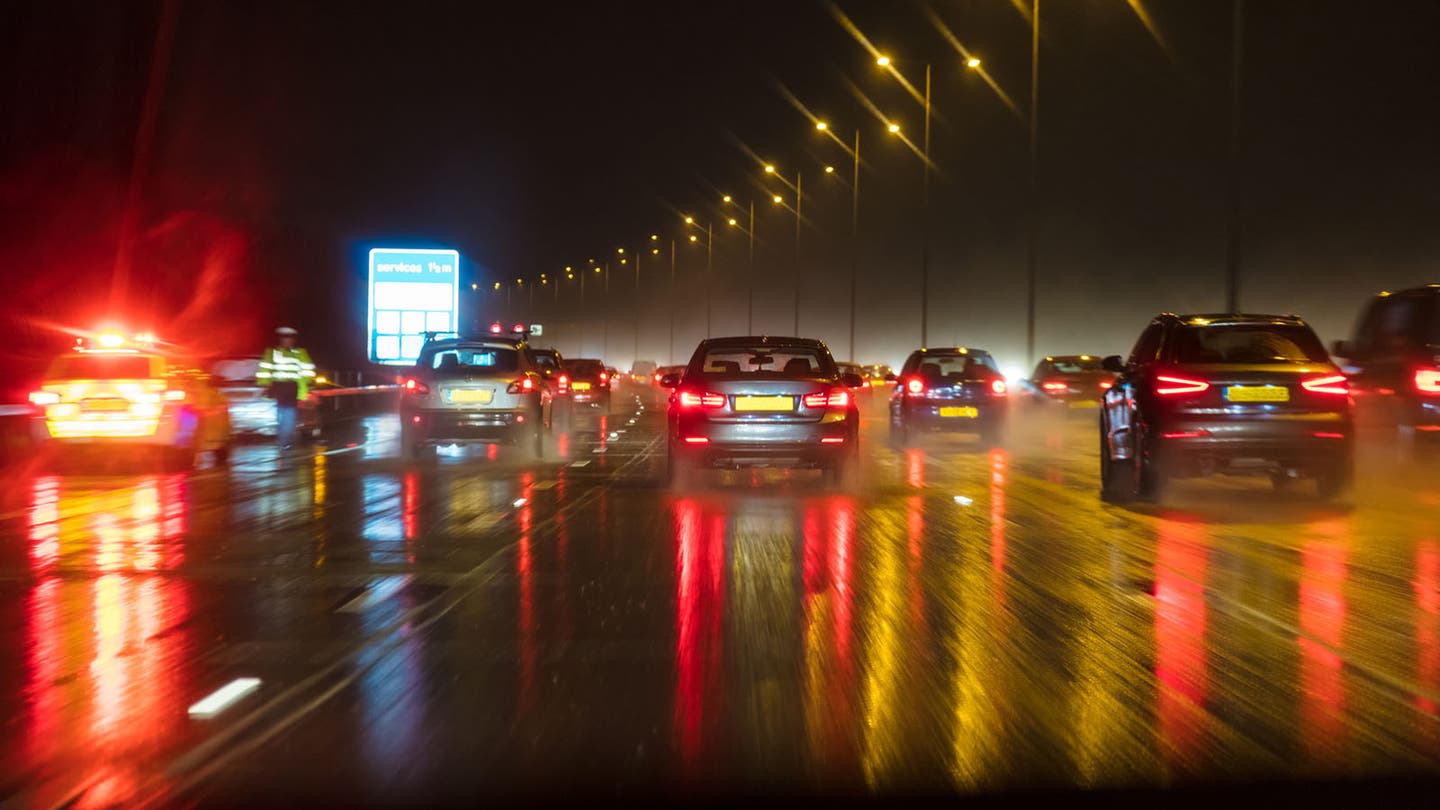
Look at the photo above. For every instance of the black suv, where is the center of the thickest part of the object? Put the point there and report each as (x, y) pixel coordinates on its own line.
(1394, 363)
(1229, 394)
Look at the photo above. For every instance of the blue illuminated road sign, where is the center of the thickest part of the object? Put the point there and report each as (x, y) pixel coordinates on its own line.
(412, 291)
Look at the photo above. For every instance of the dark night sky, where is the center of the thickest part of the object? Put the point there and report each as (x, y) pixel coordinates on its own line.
(293, 136)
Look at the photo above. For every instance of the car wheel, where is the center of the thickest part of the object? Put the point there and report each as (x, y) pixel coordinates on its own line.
(222, 453)
(537, 443)
(178, 459)
(1333, 479)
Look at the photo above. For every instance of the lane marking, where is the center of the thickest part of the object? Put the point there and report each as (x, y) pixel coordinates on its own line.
(484, 521)
(381, 591)
(519, 502)
(598, 450)
(585, 463)
(223, 698)
(544, 485)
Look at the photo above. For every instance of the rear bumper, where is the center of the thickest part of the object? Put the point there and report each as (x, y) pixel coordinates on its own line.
(467, 427)
(1303, 442)
(928, 416)
(760, 444)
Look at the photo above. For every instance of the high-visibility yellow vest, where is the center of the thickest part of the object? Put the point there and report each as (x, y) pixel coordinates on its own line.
(286, 365)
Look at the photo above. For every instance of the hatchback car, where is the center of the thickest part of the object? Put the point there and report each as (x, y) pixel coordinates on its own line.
(1394, 364)
(762, 402)
(949, 390)
(589, 382)
(1074, 382)
(118, 394)
(1232, 394)
(859, 371)
(483, 390)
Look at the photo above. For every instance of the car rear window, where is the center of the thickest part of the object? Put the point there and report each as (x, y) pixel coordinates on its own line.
(955, 366)
(471, 357)
(1248, 343)
(767, 361)
(545, 359)
(585, 366)
(101, 367)
(1075, 365)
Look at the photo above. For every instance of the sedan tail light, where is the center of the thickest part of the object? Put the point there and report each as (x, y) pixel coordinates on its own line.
(1427, 381)
(998, 387)
(524, 385)
(1331, 384)
(657, 378)
(708, 400)
(44, 398)
(827, 399)
(604, 378)
(1055, 386)
(414, 386)
(1167, 385)
(1106, 385)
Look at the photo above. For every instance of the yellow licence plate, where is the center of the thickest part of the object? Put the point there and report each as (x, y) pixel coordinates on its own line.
(580, 386)
(1257, 393)
(1084, 403)
(967, 412)
(764, 403)
(105, 404)
(482, 396)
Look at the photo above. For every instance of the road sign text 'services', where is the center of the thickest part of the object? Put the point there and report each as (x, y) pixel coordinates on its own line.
(412, 291)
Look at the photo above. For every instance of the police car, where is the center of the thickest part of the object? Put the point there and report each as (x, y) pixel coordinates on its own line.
(127, 393)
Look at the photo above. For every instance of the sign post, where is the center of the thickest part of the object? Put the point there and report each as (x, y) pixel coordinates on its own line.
(412, 291)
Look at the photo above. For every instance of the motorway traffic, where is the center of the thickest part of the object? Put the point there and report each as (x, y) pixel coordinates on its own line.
(342, 624)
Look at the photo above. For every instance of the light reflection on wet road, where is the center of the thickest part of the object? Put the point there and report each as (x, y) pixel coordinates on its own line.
(962, 619)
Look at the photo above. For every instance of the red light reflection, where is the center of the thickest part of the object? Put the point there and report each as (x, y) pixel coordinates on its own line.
(1322, 620)
(699, 570)
(1427, 633)
(1181, 559)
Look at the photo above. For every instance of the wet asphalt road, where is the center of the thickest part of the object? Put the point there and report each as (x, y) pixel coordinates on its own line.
(959, 619)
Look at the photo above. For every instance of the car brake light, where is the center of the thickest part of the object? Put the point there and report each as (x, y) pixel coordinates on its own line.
(657, 378)
(521, 386)
(1106, 385)
(1427, 380)
(604, 378)
(827, 399)
(708, 400)
(1055, 386)
(1332, 384)
(997, 387)
(414, 386)
(44, 398)
(915, 385)
(496, 329)
(1320, 435)
(832, 440)
(174, 395)
(696, 440)
(864, 383)
(1167, 385)
(564, 384)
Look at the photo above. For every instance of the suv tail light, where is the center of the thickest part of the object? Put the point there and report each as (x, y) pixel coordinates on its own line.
(414, 386)
(915, 386)
(604, 378)
(1055, 386)
(827, 399)
(524, 385)
(1332, 384)
(1427, 381)
(998, 387)
(1167, 385)
(563, 383)
(708, 400)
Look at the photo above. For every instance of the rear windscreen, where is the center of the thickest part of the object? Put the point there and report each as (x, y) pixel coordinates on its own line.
(471, 358)
(545, 360)
(1075, 365)
(585, 366)
(768, 361)
(939, 367)
(101, 367)
(1248, 343)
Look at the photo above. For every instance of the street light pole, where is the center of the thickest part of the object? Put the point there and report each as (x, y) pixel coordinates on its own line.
(854, 237)
(605, 317)
(635, 354)
(1033, 220)
(750, 273)
(799, 201)
(709, 289)
(672, 301)
(925, 225)
(580, 316)
(1232, 213)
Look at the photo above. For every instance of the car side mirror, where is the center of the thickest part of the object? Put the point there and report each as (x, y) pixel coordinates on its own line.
(1113, 363)
(852, 380)
(1343, 348)
(890, 377)
(671, 380)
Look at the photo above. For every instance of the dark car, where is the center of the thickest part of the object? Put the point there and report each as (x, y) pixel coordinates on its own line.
(483, 390)
(951, 390)
(1070, 381)
(1394, 363)
(589, 382)
(762, 402)
(1233, 394)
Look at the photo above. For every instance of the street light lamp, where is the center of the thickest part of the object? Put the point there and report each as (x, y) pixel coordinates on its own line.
(777, 199)
(972, 63)
(689, 220)
(883, 61)
(821, 125)
(769, 169)
(725, 199)
(894, 129)
(829, 169)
